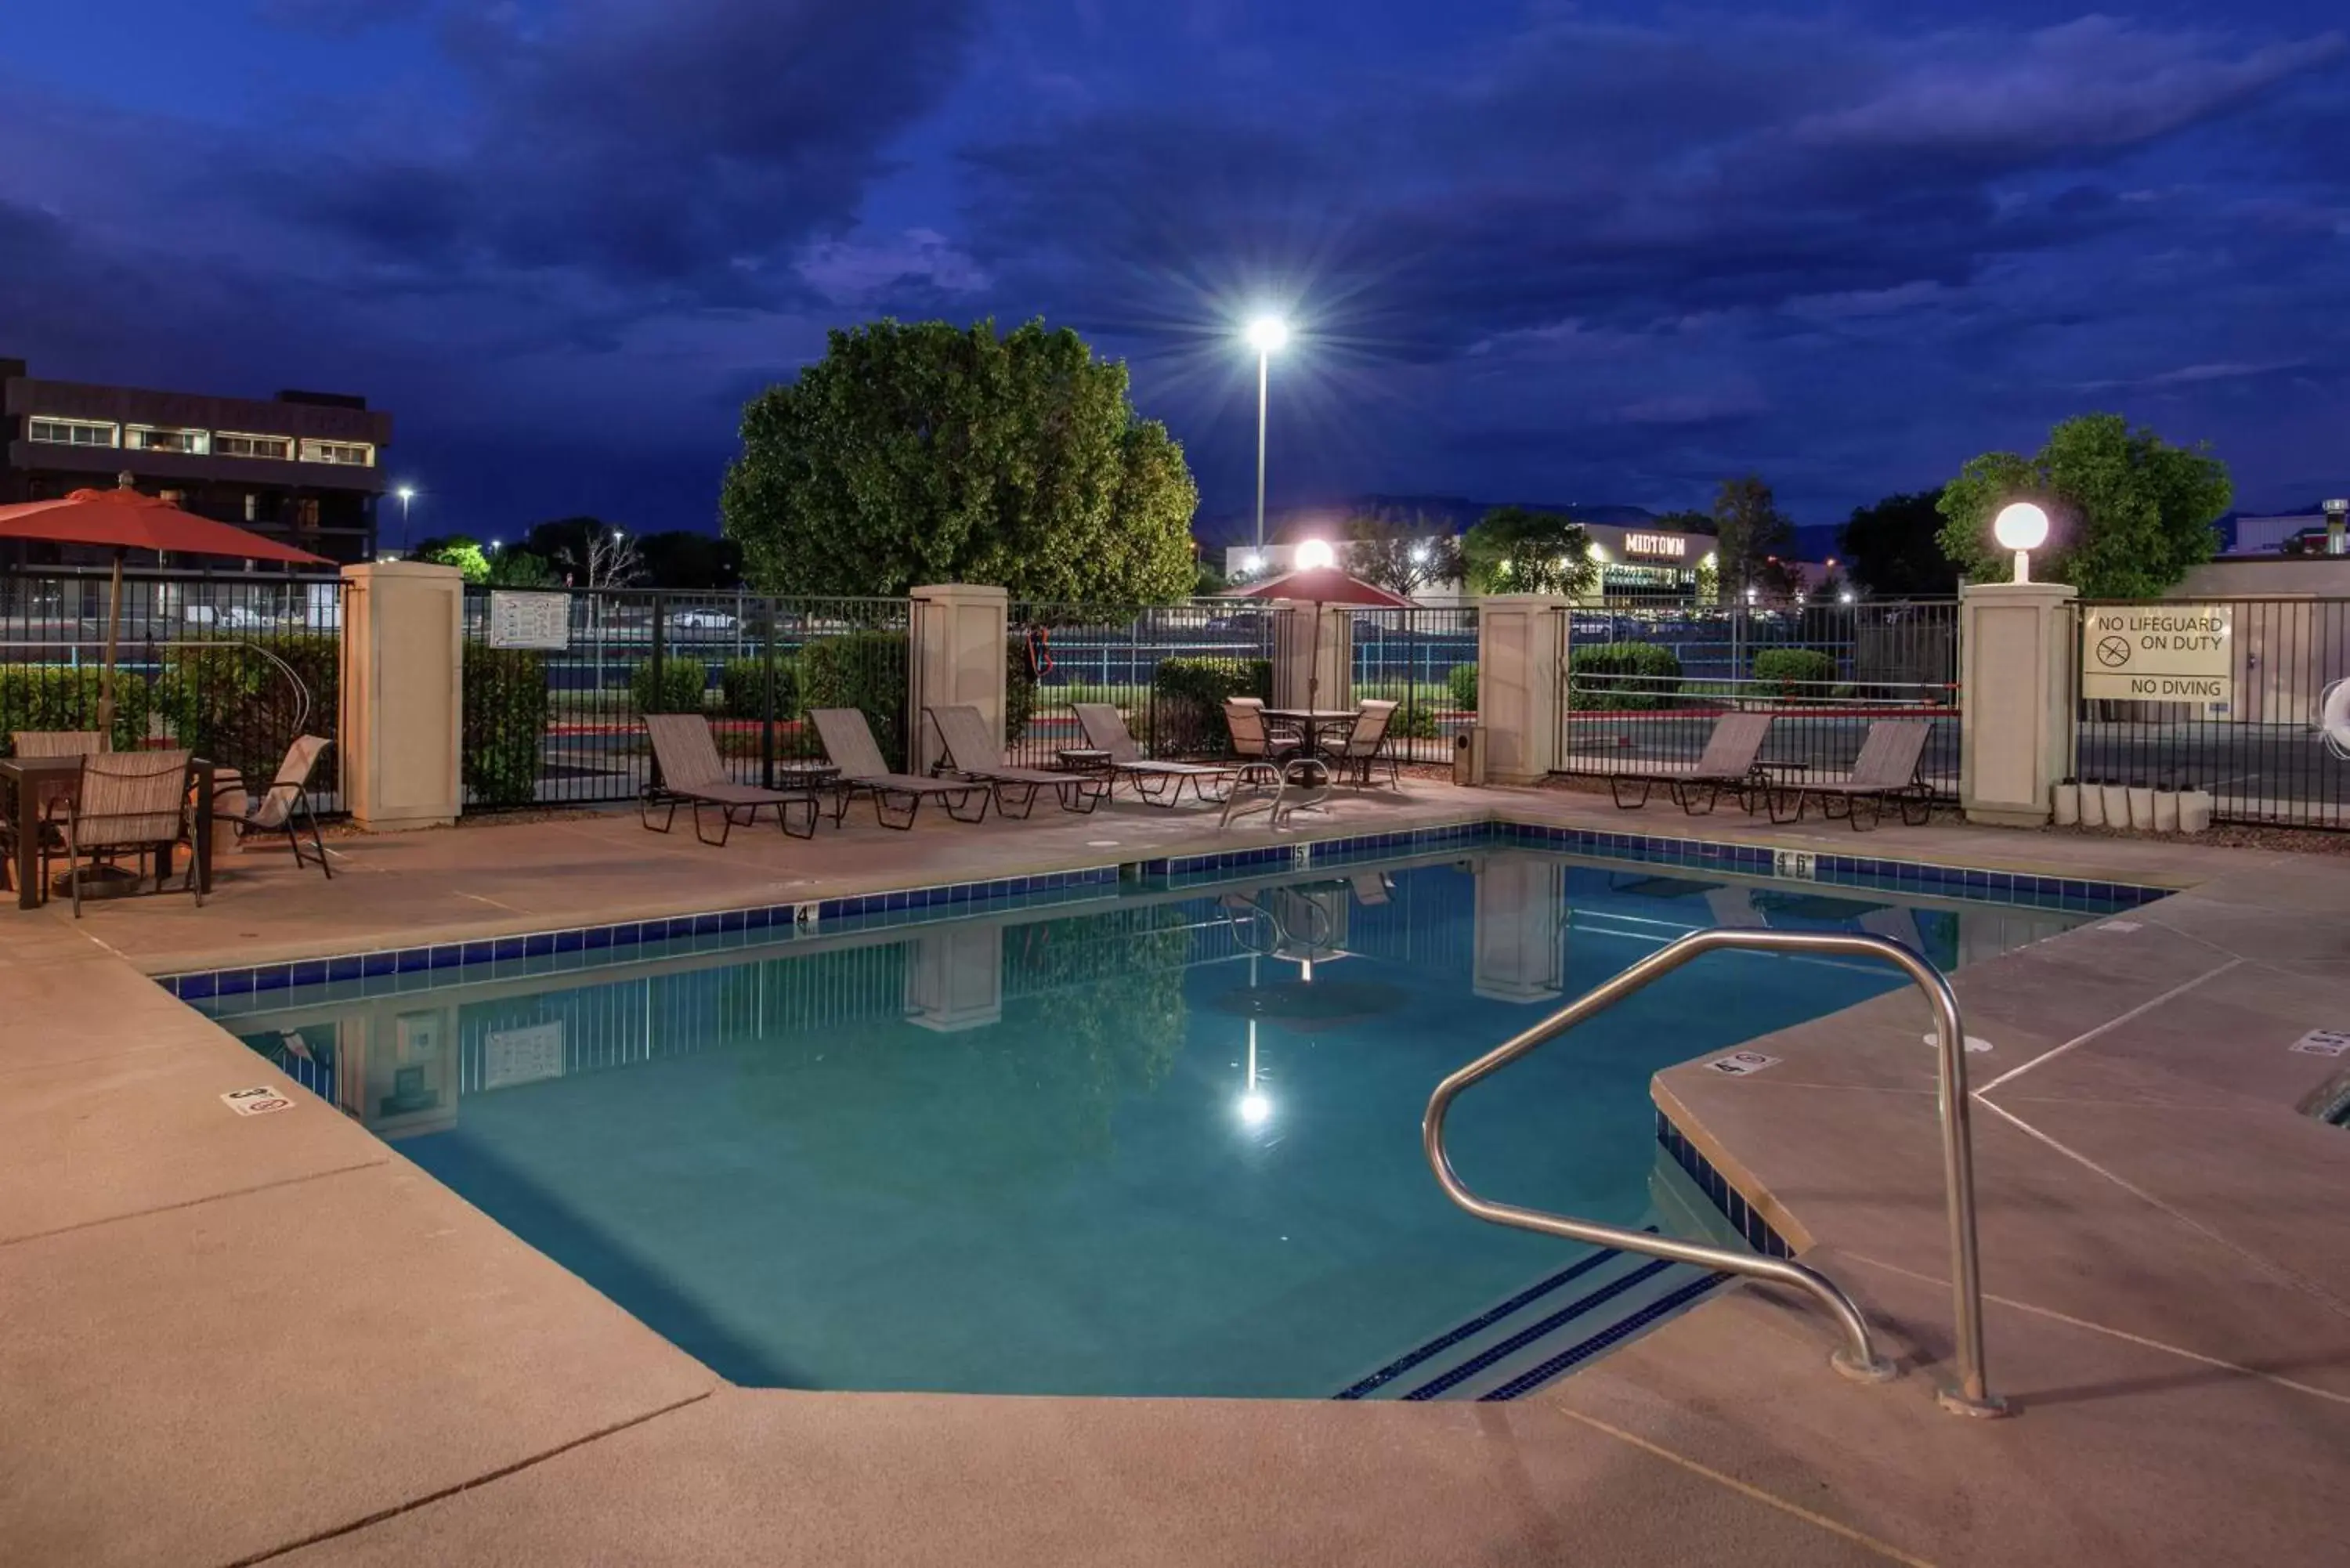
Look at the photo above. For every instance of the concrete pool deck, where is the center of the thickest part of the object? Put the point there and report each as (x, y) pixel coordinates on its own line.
(229, 1340)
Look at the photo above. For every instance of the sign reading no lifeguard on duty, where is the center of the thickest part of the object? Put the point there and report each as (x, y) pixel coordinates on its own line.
(2160, 653)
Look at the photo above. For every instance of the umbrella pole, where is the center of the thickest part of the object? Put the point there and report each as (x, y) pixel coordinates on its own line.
(1314, 661)
(105, 670)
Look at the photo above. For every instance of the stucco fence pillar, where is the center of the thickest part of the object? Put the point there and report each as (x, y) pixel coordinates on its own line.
(2016, 647)
(1307, 671)
(1521, 650)
(958, 643)
(402, 695)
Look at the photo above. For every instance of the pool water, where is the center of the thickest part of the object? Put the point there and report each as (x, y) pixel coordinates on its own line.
(1160, 1142)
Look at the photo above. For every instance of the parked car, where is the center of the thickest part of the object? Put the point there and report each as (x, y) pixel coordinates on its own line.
(2310, 540)
(228, 617)
(702, 617)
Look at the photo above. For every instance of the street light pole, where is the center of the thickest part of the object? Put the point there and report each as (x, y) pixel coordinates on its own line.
(1266, 335)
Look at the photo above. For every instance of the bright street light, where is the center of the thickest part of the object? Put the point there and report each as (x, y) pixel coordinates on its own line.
(1314, 554)
(1252, 563)
(1255, 1108)
(1268, 335)
(2022, 527)
(407, 493)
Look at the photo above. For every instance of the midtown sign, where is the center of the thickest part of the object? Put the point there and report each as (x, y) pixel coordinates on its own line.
(2160, 653)
(1669, 546)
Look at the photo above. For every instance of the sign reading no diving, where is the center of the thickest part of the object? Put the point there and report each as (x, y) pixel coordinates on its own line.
(2160, 653)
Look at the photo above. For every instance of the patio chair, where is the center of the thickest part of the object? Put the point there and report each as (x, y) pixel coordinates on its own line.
(1728, 762)
(692, 774)
(1368, 745)
(1255, 740)
(57, 742)
(1155, 783)
(134, 801)
(963, 731)
(848, 741)
(283, 807)
(1886, 771)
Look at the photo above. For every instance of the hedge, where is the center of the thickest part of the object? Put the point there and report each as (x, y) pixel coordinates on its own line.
(1656, 672)
(1019, 689)
(680, 687)
(1795, 672)
(504, 724)
(742, 689)
(1190, 710)
(63, 697)
(1461, 680)
(233, 702)
(865, 670)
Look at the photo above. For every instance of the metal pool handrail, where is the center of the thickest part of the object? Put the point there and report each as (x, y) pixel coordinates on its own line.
(1857, 1359)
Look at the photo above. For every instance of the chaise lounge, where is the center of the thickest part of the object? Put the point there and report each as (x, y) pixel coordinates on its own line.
(1728, 762)
(1155, 783)
(896, 797)
(970, 754)
(691, 774)
(1886, 771)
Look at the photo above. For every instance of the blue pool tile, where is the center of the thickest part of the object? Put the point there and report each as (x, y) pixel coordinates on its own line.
(383, 960)
(480, 952)
(233, 983)
(197, 987)
(310, 972)
(348, 966)
(596, 937)
(509, 948)
(539, 944)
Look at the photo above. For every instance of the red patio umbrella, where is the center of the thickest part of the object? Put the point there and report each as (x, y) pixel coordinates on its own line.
(1321, 586)
(123, 520)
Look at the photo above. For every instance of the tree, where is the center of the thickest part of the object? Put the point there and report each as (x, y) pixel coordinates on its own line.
(522, 569)
(1511, 550)
(1403, 557)
(589, 552)
(1687, 521)
(1892, 547)
(2129, 514)
(1753, 532)
(1208, 579)
(459, 550)
(929, 453)
(681, 558)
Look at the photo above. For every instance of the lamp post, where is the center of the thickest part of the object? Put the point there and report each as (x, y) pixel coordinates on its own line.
(2022, 527)
(407, 493)
(1267, 335)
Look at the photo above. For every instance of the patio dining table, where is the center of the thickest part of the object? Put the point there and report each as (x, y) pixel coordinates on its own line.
(23, 780)
(1314, 723)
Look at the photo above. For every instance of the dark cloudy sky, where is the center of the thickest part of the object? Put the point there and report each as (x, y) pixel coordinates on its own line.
(1604, 252)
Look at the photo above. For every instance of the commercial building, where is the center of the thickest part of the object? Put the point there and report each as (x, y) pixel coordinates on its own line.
(1634, 560)
(304, 467)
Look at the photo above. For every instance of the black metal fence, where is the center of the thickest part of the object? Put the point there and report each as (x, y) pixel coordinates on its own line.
(553, 704)
(233, 667)
(1645, 686)
(1167, 670)
(1426, 659)
(2259, 747)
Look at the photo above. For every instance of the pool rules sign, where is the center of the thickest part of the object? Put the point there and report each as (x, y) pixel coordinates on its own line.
(2160, 653)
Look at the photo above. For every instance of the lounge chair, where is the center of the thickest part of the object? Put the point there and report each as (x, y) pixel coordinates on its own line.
(1366, 746)
(1155, 783)
(848, 741)
(969, 755)
(129, 800)
(691, 774)
(1726, 763)
(57, 742)
(1886, 771)
(283, 807)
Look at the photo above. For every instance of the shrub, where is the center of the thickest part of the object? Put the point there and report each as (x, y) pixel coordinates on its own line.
(674, 686)
(865, 670)
(1461, 680)
(1625, 676)
(235, 701)
(1413, 723)
(1019, 689)
(62, 697)
(742, 689)
(1189, 710)
(504, 724)
(1793, 672)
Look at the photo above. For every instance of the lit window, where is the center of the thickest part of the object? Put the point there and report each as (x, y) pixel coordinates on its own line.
(164, 438)
(252, 507)
(353, 453)
(71, 433)
(276, 449)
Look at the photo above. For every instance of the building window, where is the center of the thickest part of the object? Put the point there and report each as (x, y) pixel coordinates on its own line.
(353, 453)
(164, 438)
(305, 513)
(71, 433)
(275, 449)
(252, 507)
(172, 497)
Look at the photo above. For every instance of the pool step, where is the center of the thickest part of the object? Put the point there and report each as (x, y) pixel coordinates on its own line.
(1543, 1331)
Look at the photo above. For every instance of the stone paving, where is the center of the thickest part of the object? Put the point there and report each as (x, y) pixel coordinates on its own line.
(230, 1340)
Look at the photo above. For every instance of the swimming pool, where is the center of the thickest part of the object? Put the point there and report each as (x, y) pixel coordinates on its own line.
(1146, 1139)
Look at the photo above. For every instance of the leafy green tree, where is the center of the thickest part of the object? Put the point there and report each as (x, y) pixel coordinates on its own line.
(2129, 512)
(1753, 532)
(1513, 550)
(459, 550)
(522, 569)
(1894, 548)
(929, 453)
(1402, 556)
(1208, 579)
